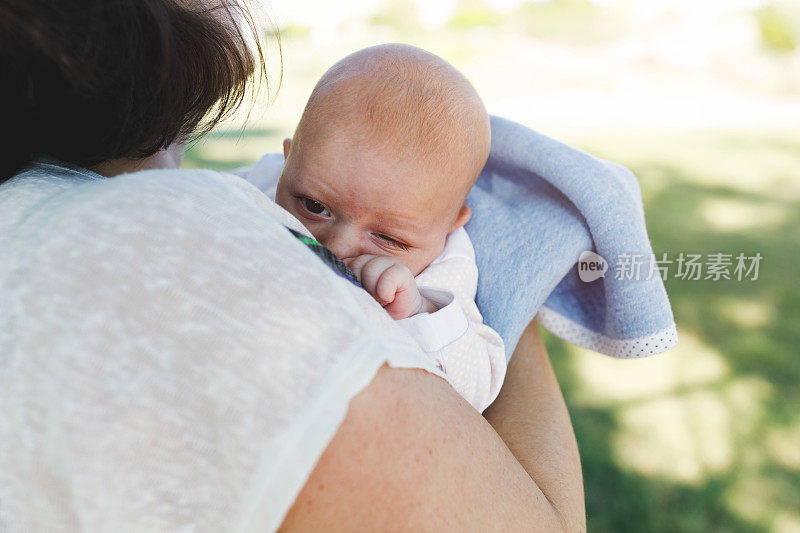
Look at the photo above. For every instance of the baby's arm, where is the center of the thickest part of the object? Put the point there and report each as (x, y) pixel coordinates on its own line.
(438, 310)
(472, 355)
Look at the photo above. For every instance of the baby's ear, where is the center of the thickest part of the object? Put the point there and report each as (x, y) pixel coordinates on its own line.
(287, 143)
(463, 217)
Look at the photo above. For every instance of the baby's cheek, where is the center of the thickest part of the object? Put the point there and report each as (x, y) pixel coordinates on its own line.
(282, 199)
(312, 228)
(418, 260)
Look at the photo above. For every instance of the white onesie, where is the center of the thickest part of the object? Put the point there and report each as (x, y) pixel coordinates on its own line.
(470, 353)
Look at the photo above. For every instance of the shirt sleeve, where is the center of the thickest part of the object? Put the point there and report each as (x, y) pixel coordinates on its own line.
(172, 358)
(470, 353)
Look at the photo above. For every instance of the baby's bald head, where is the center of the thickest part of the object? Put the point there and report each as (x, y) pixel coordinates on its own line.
(405, 103)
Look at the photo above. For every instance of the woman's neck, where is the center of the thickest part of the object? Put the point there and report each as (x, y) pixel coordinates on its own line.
(167, 158)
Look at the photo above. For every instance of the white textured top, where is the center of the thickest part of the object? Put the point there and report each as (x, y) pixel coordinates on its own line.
(470, 353)
(171, 358)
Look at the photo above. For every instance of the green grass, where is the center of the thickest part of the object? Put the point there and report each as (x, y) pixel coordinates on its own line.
(705, 437)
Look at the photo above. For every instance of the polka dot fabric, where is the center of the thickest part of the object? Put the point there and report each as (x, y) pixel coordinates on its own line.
(620, 348)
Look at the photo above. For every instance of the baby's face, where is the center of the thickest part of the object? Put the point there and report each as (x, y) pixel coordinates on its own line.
(357, 200)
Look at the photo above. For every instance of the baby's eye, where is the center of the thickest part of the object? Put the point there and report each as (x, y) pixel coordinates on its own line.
(392, 242)
(314, 207)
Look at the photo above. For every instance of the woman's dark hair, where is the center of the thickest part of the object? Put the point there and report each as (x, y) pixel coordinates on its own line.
(85, 81)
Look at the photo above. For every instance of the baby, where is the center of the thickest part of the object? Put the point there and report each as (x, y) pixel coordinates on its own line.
(379, 168)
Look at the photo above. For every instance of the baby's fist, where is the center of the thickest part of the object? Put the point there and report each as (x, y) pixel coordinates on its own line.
(390, 282)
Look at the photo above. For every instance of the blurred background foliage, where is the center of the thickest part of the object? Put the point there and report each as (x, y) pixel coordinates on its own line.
(779, 24)
(702, 101)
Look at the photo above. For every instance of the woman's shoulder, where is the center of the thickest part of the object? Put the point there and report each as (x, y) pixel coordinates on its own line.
(172, 308)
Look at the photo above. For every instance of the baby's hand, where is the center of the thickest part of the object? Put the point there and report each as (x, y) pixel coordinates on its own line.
(391, 283)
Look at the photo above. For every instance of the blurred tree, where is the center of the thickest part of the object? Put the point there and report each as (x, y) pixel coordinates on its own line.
(779, 24)
(472, 13)
(400, 15)
(575, 21)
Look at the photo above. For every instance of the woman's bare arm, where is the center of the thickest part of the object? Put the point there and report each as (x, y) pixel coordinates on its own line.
(532, 419)
(412, 454)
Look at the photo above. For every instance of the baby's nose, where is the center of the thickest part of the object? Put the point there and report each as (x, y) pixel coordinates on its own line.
(344, 244)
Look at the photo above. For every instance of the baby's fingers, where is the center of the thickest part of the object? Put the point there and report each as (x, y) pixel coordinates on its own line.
(370, 271)
(393, 279)
(357, 264)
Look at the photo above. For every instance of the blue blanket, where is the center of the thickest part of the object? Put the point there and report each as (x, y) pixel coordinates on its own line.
(537, 207)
